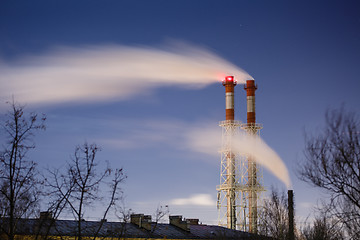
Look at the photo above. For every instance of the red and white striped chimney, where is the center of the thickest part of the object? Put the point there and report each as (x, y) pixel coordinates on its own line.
(250, 88)
(229, 84)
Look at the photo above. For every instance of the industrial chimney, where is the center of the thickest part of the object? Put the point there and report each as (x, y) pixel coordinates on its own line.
(229, 84)
(253, 183)
(291, 214)
(229, 180)
(252, 168)
(239, 176)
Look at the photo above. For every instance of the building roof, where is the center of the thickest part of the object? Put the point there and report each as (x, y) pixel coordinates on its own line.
(51, 227)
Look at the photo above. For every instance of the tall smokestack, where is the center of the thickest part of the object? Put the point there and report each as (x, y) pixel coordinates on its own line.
(250, 99)
(229, 163)
(291, 214)
(252, 129)
(229, 84)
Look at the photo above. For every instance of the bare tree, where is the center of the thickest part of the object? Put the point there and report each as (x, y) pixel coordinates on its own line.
(78, 188)
(18, 182)
(324, 227)
(333, 164)
(273, 216)
(160, 213)
(124, 216)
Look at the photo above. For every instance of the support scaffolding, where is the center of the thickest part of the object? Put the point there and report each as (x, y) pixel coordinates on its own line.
(253, 184)
(241, 181)
(229, 190)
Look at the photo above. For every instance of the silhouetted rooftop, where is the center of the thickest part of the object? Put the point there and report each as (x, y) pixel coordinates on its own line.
(51, 227)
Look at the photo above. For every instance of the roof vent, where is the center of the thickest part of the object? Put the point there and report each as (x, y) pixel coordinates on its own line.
(141, 220)
(192, 221)
(46, 215)
(178, 222)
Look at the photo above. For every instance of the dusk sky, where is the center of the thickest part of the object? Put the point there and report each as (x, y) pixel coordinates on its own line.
(142, 79)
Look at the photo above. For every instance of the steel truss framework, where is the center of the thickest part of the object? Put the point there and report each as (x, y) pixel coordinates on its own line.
(241, 181)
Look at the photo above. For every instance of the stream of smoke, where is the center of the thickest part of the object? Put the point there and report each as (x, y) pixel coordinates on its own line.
(207, 140)
(263, 154)
(96, 73)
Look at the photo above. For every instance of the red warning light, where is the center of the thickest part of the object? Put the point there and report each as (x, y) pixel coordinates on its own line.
(229, 80)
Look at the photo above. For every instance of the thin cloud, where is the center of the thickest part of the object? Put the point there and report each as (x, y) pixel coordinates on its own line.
(197, 200)
(144, 133)
(307, 205)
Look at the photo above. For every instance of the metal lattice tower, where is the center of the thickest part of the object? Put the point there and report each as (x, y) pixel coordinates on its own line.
(229, 190)
(252, 184)
(241, 179)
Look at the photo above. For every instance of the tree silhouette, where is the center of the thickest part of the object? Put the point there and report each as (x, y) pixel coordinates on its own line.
(333, 164)
(78, 187)
(273, 216)
(19, 192)
(323, 228)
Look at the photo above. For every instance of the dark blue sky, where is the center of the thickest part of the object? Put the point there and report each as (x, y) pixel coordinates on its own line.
(304, 56)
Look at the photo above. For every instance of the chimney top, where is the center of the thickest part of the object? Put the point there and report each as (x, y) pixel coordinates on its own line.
(178, 222)
(141, 220)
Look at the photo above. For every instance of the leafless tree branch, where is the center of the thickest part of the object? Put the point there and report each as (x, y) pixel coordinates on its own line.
(19, 190)
(333, 164)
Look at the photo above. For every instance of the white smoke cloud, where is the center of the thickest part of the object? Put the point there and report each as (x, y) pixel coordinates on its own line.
(203, 137)
(208, 140)
(197, 200)
(96, 73)
(254, 146)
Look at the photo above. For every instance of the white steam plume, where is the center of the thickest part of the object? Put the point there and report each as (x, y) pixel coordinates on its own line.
(207, 140)
(95, 73)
